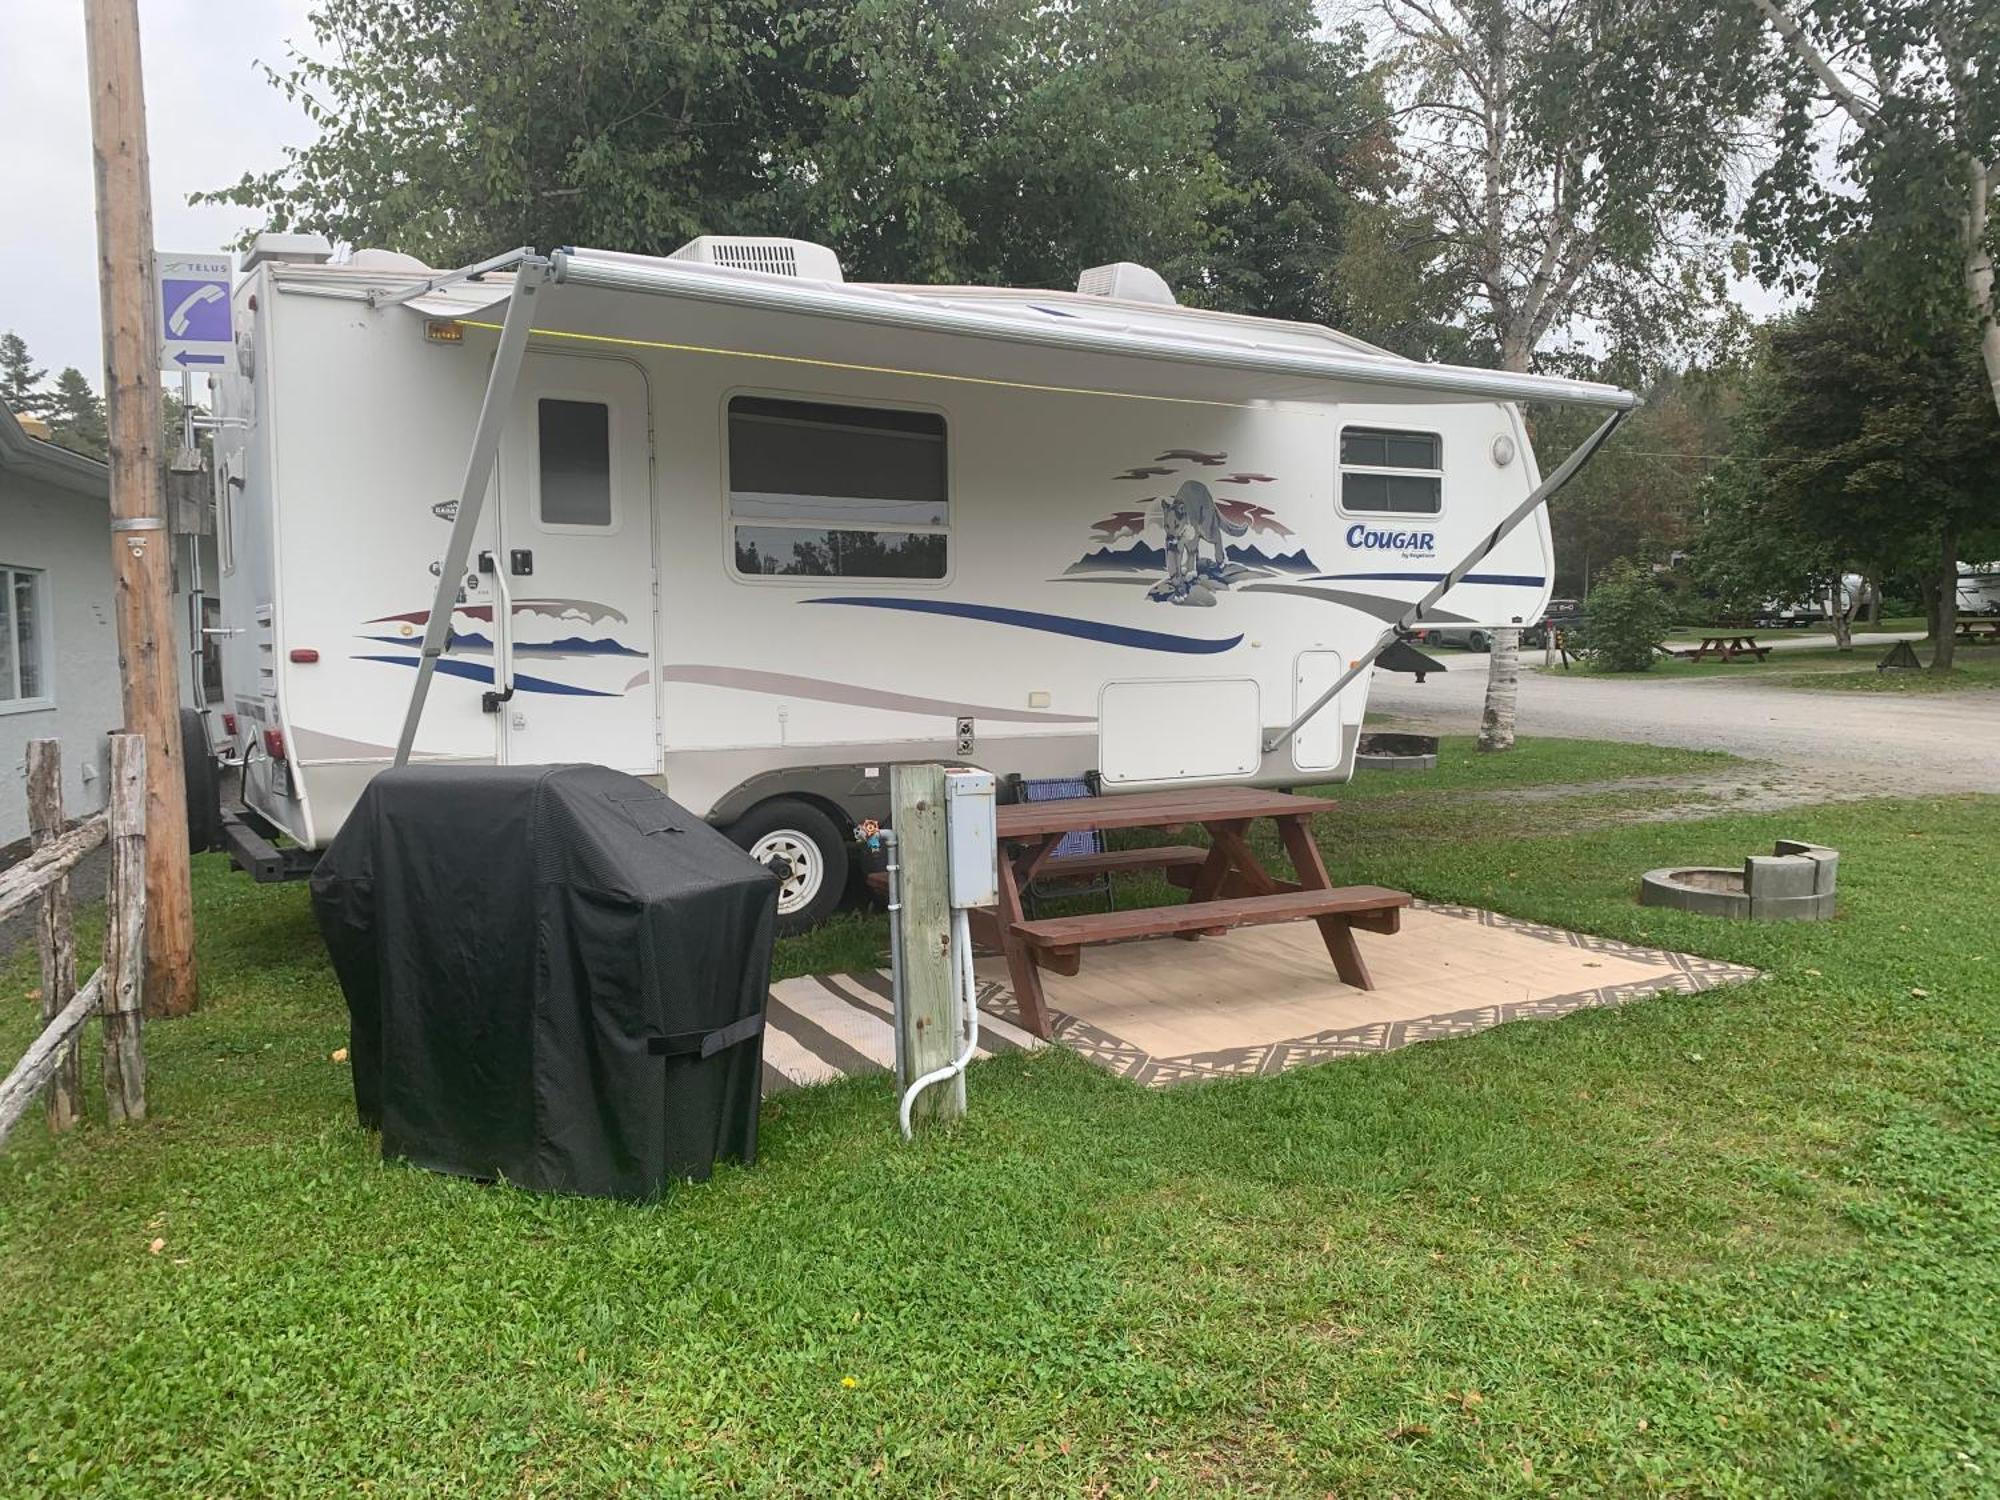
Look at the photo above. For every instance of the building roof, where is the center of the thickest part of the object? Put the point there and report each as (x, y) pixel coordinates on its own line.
(50, 464)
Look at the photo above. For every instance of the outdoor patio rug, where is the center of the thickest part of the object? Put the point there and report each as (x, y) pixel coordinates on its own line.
(1259, 1000)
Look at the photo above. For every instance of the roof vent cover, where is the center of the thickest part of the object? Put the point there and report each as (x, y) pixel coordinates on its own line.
(1127, 281)
(771, 257)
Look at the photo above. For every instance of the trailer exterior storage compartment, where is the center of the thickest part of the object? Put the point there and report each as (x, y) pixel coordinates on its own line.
(554, 974)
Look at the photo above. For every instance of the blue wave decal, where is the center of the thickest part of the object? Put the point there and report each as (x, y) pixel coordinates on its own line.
(1521, 580)
(570, 645)
(475, 672)
(1028, 619)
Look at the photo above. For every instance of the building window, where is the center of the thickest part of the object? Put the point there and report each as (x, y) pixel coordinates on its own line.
(23, 636)
(575, 463)
(823, 491)
(1389, 473)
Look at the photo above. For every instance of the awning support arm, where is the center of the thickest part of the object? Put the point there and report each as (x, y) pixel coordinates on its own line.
(383, 297)
(1417, 612)
(530, 277)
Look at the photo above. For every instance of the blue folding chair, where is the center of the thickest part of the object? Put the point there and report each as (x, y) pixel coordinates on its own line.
(1074, 845)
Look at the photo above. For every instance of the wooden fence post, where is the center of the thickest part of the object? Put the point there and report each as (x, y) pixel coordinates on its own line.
(54, 930)
(929, 1014)
(125, 933)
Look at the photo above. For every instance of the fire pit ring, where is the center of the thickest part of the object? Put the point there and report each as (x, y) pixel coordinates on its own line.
(1793, 884)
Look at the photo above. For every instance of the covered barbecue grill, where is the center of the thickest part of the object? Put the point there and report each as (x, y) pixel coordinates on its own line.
(554, 975)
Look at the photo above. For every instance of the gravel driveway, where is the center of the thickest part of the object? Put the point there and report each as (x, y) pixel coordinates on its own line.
(1833, 744)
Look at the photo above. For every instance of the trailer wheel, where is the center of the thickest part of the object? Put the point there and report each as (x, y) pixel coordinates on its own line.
(799, 844)
(203, 781)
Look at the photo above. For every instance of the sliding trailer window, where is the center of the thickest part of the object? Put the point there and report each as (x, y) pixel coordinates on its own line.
(1387, 472)
(824, 491)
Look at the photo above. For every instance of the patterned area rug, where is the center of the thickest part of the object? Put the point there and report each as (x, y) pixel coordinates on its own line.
(1259, 1000)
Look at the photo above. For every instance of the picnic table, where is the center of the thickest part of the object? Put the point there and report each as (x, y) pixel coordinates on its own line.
(1974, 630)
(1727, 648)
(1226, 885)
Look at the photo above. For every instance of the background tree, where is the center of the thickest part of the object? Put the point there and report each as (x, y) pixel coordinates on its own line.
(76, 416)
(1867, 444)
(20, 381)
(1573, 156)
(1224, 142)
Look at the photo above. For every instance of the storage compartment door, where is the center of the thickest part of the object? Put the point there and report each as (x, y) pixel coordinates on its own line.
(1191, 730)
(1322, 741)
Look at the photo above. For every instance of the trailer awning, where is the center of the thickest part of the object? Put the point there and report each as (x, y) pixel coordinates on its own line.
(600, 295)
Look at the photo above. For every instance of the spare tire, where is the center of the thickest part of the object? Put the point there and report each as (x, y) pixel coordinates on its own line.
(203, 781)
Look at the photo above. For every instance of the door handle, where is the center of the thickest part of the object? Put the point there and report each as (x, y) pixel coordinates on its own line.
(521, 562)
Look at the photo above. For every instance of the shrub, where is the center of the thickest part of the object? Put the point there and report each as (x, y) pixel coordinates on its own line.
(1626, 615)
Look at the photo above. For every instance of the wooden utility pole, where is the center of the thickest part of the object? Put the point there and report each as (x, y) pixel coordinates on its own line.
(141, 556)
(929, 1015)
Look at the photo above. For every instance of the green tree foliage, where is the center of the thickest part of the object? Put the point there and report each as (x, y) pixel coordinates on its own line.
(1572, 157)
(20, 381)
(1917, 84)
(1626, 615)
(76, 416)
(1866, 444)
(1224, 142)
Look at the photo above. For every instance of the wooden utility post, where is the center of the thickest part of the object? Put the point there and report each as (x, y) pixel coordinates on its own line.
(141, 556)
(929, 1015)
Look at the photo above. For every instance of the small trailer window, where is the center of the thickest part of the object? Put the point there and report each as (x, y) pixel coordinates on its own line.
(824, 491)
(575, 439)
(1390, 473)
(22, 657)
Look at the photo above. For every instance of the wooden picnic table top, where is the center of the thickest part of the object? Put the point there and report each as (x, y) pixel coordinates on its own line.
(1165, 809)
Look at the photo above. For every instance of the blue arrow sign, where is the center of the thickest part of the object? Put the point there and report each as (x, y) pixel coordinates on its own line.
(196, 324)
(184, 358)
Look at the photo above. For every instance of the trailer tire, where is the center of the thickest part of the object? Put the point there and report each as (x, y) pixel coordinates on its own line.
(203, 782)
(807, 852)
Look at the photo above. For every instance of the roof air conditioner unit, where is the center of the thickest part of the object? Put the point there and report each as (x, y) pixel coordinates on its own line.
(1127, 281)
(288, 250)
(800, 258)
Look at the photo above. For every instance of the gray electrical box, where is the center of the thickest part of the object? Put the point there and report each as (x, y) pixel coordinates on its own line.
(970, 798)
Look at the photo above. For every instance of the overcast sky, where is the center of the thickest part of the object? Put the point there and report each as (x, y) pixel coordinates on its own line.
(212, 119)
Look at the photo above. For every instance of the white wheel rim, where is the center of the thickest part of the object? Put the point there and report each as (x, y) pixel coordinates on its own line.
(808, 869)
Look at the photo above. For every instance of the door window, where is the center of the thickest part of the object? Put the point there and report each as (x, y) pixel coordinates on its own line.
(574, 462)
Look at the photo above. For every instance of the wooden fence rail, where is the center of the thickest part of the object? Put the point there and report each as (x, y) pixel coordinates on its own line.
(52, 1061)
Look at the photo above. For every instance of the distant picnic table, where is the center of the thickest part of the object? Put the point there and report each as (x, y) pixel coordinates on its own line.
(1726, 648)
(1970, 631)
(1226, 885)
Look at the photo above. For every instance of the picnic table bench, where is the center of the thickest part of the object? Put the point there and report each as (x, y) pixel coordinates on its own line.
(1227, 886)
(1974, 630)
(1727, 648)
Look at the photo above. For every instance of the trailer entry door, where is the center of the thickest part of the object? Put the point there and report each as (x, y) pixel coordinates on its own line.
(576, 542)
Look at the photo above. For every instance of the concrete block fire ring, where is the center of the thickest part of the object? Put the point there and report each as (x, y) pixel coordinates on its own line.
(1794, 883)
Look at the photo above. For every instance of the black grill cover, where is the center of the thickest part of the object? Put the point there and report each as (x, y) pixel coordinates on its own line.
(554, 975)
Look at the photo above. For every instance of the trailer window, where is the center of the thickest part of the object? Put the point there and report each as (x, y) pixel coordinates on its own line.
(1390, 473)
(23, 656)
(575, 438)
(824, 491)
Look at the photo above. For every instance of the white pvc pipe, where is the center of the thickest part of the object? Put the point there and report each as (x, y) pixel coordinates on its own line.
(966, 988)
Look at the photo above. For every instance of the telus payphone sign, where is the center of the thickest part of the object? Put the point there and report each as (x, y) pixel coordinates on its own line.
(195, 331)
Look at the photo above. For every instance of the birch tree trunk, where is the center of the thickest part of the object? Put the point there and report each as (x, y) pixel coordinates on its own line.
(1503, 685)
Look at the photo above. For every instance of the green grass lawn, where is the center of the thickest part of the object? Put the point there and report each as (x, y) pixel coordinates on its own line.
(1974, 669)
(1742, 1243)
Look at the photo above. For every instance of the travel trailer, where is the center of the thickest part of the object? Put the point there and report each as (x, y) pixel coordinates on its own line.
(1979, 588)
(725, 520)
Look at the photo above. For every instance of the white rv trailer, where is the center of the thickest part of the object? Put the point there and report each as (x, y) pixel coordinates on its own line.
(757, 533)
(1979, 588)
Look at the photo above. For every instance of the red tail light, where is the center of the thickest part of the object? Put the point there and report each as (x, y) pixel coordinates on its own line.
(274, 743)
(229, 725)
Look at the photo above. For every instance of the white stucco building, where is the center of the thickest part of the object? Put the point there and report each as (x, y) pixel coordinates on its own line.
(58, 638)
